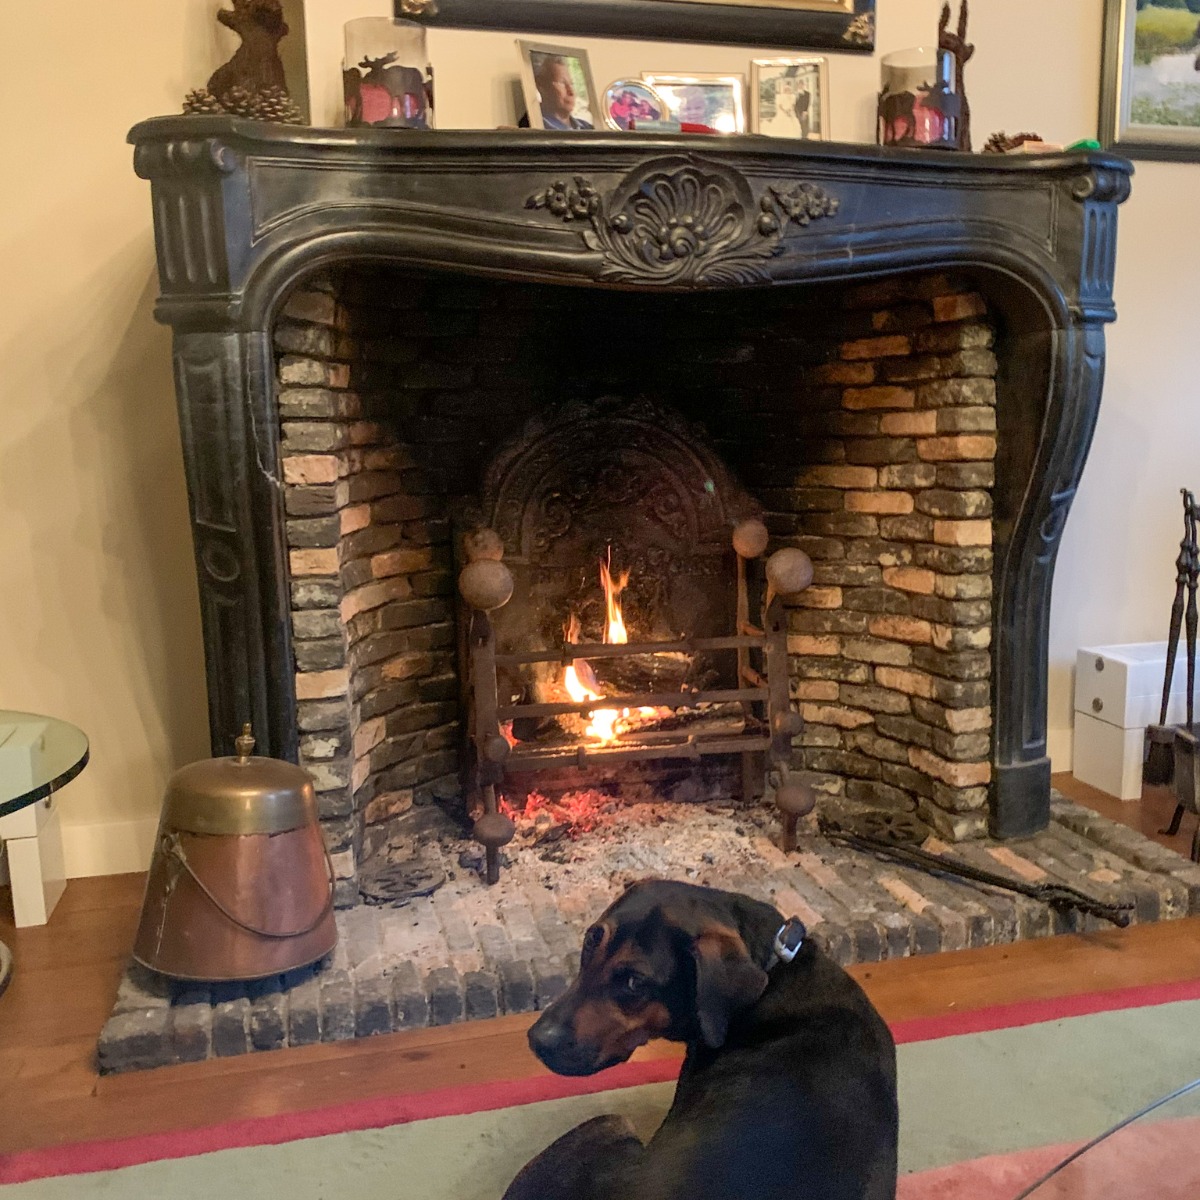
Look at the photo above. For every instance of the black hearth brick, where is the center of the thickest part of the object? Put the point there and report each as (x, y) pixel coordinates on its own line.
(409, 1003)
(443, 987)
(313, 437)
(322, 654)
(549, 981)
(517, 987)
(191, 1025)
(482, 993)
(268, 1014)
(132, 1041)
(304, 1006)
(314, 500)
(372, 999)
(231, 1025)
(318, 404)
(336, 1005)
(315, 593)
(314, 532)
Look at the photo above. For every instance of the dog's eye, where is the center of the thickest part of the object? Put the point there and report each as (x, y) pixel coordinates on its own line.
(593, 937)
(633, 984)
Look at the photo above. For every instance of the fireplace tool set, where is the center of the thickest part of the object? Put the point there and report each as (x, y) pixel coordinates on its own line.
(769, 722)
(1173, 750)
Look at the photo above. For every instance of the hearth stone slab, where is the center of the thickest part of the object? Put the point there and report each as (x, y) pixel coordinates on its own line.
(469, 952)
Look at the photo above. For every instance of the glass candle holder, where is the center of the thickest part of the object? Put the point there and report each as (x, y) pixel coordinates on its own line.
(386, 76)
(918, 105)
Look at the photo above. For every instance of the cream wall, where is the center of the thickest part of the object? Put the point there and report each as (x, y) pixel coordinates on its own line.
(98, 602)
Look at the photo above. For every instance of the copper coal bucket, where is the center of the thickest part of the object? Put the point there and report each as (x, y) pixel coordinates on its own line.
(241, 885)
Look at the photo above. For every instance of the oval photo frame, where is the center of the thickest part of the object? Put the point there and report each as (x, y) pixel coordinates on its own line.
(630, 103)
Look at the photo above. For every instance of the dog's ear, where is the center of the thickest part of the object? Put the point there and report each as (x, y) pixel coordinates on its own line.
(727, 980)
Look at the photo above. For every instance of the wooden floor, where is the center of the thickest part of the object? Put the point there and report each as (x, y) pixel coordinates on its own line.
(67, 976)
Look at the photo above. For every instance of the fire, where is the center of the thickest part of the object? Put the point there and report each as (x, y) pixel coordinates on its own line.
(614, 629)
(603, 724)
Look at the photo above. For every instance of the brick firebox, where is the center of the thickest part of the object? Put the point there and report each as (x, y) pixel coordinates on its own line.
(862, 419)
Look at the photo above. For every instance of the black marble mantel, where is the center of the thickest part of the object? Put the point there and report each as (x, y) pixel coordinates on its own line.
(242, 210)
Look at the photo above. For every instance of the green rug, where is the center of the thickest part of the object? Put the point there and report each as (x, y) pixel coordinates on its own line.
(962, 1097)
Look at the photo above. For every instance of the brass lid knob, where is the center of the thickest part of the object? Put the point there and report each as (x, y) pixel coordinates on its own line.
(244, 744)
(241, 794)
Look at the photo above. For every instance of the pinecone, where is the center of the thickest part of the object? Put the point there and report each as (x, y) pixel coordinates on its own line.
(200, 101)
(1001, 143)
(271, 104)
(274, 104)
(238, 102)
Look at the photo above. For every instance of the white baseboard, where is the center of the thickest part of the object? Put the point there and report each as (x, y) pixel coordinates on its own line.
(108, 847)
(1060, 745)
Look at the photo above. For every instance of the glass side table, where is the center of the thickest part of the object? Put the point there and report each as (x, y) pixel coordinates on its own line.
(38, 755)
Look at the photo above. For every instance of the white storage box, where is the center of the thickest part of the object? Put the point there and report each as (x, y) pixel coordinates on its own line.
(1118, 692)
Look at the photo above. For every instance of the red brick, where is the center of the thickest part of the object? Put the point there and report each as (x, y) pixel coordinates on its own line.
(878, 347)
(910, 579)
(879, 502)
(965, 447)
(311, 468)
(958, 307)
(962, 533)
(909, 424)
(856, 399)
(954, 774)
(902, 629)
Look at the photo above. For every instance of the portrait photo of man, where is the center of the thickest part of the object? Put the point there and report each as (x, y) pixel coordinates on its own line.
(562, 92)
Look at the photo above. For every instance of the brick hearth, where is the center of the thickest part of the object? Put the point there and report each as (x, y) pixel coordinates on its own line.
(470, 952)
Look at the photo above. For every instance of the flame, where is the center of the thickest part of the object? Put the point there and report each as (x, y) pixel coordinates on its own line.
(615, 633)
(603, 724)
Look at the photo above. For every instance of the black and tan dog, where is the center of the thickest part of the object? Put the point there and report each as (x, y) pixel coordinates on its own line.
(788, 1089)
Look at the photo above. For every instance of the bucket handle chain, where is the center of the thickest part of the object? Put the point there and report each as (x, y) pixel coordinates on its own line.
(173, 847)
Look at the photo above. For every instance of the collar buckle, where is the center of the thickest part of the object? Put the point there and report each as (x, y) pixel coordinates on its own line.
(789, 939)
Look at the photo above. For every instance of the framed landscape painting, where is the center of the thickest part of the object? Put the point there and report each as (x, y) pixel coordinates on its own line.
(847, 25)
(1150, 91)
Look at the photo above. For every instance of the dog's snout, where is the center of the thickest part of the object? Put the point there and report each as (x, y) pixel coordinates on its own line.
(548, 1039)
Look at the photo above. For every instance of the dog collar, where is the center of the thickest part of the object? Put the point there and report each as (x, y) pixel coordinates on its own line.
(788, 941)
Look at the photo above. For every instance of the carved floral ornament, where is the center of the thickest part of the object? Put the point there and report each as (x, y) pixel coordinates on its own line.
(681, 221)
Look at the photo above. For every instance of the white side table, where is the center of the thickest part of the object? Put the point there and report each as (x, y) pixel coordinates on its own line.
(38, 755)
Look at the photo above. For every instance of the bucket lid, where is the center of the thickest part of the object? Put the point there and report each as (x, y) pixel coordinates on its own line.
(240, 795)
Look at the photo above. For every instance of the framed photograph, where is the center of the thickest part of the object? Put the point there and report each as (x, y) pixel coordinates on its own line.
(847, 25)
(715, 101)
(634, 104)
(789, 97)
(1150, 89)
(557, 82)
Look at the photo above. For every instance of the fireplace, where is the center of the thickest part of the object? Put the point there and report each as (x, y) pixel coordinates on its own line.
(405, 360)
(892, 358)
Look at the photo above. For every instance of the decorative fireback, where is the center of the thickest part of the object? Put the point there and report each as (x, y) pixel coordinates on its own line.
(628, 481)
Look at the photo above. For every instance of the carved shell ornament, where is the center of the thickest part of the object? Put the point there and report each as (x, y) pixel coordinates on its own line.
(685, 221)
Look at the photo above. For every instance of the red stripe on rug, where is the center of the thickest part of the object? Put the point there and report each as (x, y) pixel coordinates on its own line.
(1037, 1012)
(83, 1157)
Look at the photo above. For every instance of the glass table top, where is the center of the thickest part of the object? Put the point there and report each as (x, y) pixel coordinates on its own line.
(1149, 1155)
(37, 756)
